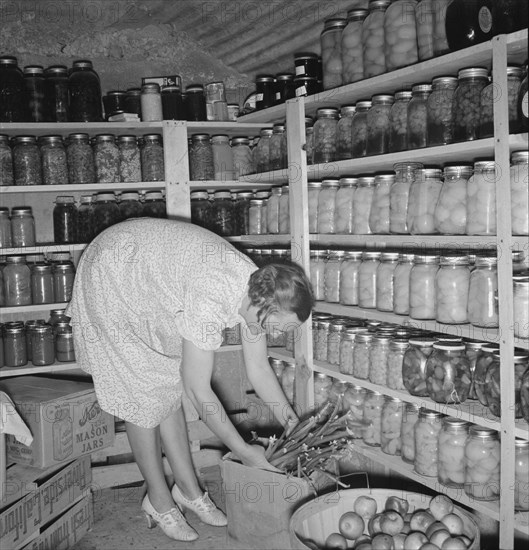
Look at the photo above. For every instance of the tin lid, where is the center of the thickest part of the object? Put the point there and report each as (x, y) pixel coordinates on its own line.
(200, 137)
(101, 197)
(278, 128)
(334, 23)
(353, 255)
(520, 157)
(364, 337)
(41, 329)
(285, 77)
(25, 139)
(346, 110)
(150, 88)
(131, 196)
(262, 194)
(429, 414)
(105, 137)
(447, 346)
(488, 261)
(60, 256)
(220, 138)
(455, 423)
(389, 256)
(194, 89)
(14, 329)
(266, 132)
(476, 346)
(336, 254)
(403, 94)
(366, 181)
(382, 338)
(482, 432)
(327, 112)
(379, 4)
(521, 443)
(384, 178)
(382, 99)
(309, 121)
(82, 64)
(356, 14)
(484, 165)
(153, 195)
(276, 190)
(454, 260)
(399, 343)
(314, 184)
(370, 255)
(15, 259)
(426, 259)
(117, 93)
(348, 181)
(363, 105)
(21, 211)
(514, 70)
(421, 88)
(127, 139)
(65, 199)
(8, 60)
(285, 190)
(448, 81)
(222, 195)
(240, 140)
(412, 407)
(422, 341)
(331, 182)
(462, 171)
(33, 70)
(305, 55)
(153, 138)
(264, 78)
(490, 347)
(473, 72)
(435, 173)
(78, 137)
(41, 268)
(338, 326)
(351, 332)
(318, 253)
(134, 91)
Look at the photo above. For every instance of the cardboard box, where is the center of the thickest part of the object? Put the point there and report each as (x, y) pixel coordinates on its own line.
(68, 530)
(63, 416)
(48, 497)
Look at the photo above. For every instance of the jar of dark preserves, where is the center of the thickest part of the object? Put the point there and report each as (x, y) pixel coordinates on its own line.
(65, 220)
(106, 212)
(306, 64)
(85, 93)
(114, 102)
(305, 85)
(6, 161)
(154, 205)
(195, 103)
(85, 222)
(172, 103)
(467, 23)
(200, 208)
(133, 101)
(26, 161)
(12, 91)
(81, 164)
(284, 87)
(264, 86)
(63, 278)
(42, 291)
(54, 164)
(152, 161)
(222, 213)
(56, 93)
(34, 84)
(130, 205)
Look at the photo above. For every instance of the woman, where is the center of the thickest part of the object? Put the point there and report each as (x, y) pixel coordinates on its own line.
(150, 301)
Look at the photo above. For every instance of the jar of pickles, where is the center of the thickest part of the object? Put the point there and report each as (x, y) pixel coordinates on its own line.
(450, 215)
(466, 103)
(331, 52)
(327, 206)
(129, 159)
(242, 157)
(521, 308)
(424, 13)
(378, 124)
(400, 35)
(374, 57)
(452, 290)
(152, 161)
(482, 293)
(222, 213)
(54, 166)
(17, 282)
(42, 345)
(85, 223)
(482, 464)
(373, 404)
(417, 136)
(481, 199)
(426, 432)
(344, 142)
(521, 475)
(378, 359)
(397, 349)
(359, 127)
(325, 130)
(390, 426)
(472, 350)
(349, 277)
(42, 284)
(422, 287)
(322, 388)
(414, 365)
(362, 200)
(379, 212)
(398, 122)
(314, 188)
(367, 280)
(401, 284)
(22, 226)
(410, 416)
(26, 161)
(352, 50)
(322, 340)
(288, 380)
(317, 273)
(361, 364)
(451, 459)
(201, 158)
(106, 157)
(272, 211)
(399, 194)
(354, 398)
(483, 361)
(519, 180)
(332, 276)
(439, 111)
(81, 165)
(384, 280)
(344, 206)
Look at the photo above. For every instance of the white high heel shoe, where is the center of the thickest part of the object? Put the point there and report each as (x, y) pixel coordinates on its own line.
(203, 507)
(172, 523)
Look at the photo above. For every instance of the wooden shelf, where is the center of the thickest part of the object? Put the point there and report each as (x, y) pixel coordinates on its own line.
(30, 369)
(276, 177)
(240, 185)
(43, 249)
(261, 240)
(232, 129)
(92, 128)
(280, 353)
(83, 188)
(34, 308)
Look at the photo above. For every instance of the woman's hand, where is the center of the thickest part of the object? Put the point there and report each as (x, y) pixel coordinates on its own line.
(253, 456)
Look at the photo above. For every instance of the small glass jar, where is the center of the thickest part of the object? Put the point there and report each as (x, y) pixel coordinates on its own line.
(201, 158)
(17, 282)
(84, 89)
(317, 273)
(26, 161)
(481, 199)
(278, 148)
(390, 426)
(262, 151)
(306, 85)
(332, 276)
(400, 35)
(307, 64)
(85, 222)
(414, 365)
(272, 211)
(439, 111)
(284, 211)
(337, 393)
(416, 116)
(374, 57)
(451, 459)
(54, 165)
(384, 280)
(359, 128)
(373, 404)
(398, 122)
(519, 180)
(331, 52)
(80, 156)
(354, 398)
(483, 288)
(106, 158)
(483, 361)
(12, 90)
(349, 277)
(327, 206)
(14, 339)
(367, 280)
(424, 21)
(322, 340)
(378, 124)
(450, 215)
(399, 195)
(325, 131)
(6, 240)
(482, 464)
(284, 87)
(63, 279)
(130, 205)
(344, 206)
(344, 142)
(288, 380)
(22, 226)
(422, 287)
(424, 192)
(129, 159)
(152, 158)
(352, 49)
(242, 157)
(322, 386)
(133, 101)
(58, 317)
(154, 205)
(6, 161)
(264, 86)
(426, 431)
(255, 217)
(466, 103)
(397, 349)
(105, 213)
(362, 201)
(151, 103)
(42, 345)
(42, 291)
(361, 363)
(521, 308)
(65, 220)
(379, 213)
(452, 290)
(378, 359)
(410, 416)
(521, 475)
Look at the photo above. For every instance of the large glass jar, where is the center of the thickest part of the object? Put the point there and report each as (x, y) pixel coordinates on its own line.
(129, 205)
(484, 360)
(410, 416)
(81, 165)
(336, 330)
(256, 214)
(129, 159)
(106, 157)
(424, 192)
(384, 280)
(262, 151)
(398, 122)
(347, 342)
(284, 211)
(379, 212)
(450, 215)
(352, 49)
(521, 475)
(6, 161)
(373, 404)
(331, 52)
(54, 165)
(6, 240)
(325, 131)
(85, 93)
(390, 426)
(242, 157)
(521, 308)
(378, 124)
(417, 116)
(414, 365)
(17, 282)
(344, 142)
(359, 129)
(448, 373)
(367, 280)
(424, 22)
(397, 349)
(14, 340)
(201, 158)
(317, 273)
(427, 431)
(322, 340)
(154, 205)
(361, 364)
(354, 398)
(466, 103)
(439, 112)
(241, 211)
(344, 206)
(56, 93)
(278, 148)
(374, 57)
(332, 276)
(452, 290)
(422, 287)
(327, 206)
(106, 212)
(314, 188)
(349, 277)
(399, 194)
(482, 293)
(472, 350)
(22, 226)
(519, 179)
(362, 200)
(272, 211)
(27, 161)
(482, 464)
(400, 34)
(13, 108)
(481, 199)
(152, 158)
(85, 223)
(65, 220)
(222, 213)
(322, 387)
(222, 158)
(35, 93)
(451, 459)
(378, 359)
(440, 42)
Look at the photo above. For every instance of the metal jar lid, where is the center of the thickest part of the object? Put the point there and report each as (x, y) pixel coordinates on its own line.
(79, 137)
(222, 195)
(475, 346)
(305, 55)
(429, 414)
(335, 23)
(483, 165)
(278, 128)
(240, 141)
(363, 105)
(445, 81)
(520, 157)
(264, 78)
(382, 99)
(454, 260)
(314, 184)
(399, 344)
(455, 424)
(153, 138)
(8, 60)
(33, 70)
(483, 433)
(421, 88)
(370, 255)
(131, 196)
(100, 138)
(473, 72)
(153, 196)
(364, 337)
(65, 199)
(347, 110)
(448, 346)
(285, 77)
(42, 329)
(13, 330)
(266, 132)
(389, 257)
(133, 91)
(379, 4)
(117, 93)
(150, 88)
(348, 182)
(25, 140)
(41, 268)
(101, 197)
(426, 259)
(404, 94)
(127, 139)
(194, 89)
(460, 171)
(220, 138)
(385, 178)
(353, 255)
(422, 341)
(331, 182)
(357, 14)
(318, 253)
(327, 112)
(490, 348)
(514, 70)
(82, 64)
(366, 181)
(336, 254)
(200, 137)
(521, 443)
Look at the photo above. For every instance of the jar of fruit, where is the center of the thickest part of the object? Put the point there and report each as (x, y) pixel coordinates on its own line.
(346, 348)
(521, 475)
(325, 130)
(374, 58)
(367, 280)
(398, 122)
(323, 327)
(384, 280)
(349, 277)
(519, 179)
(378, 124)
(410, 416)
(426, 433)
(344, 206)
(354, 398)
(401, 284)
(336, 330)
(400, 34)
(317, 273)
(378, 359)
(272, 211)
(284, 211)
(397, 349)
(379, 213)
(422, 287)
(332, 276)
(439, 113)
(482, 293)
(484, 360)
(373, 404)
(472, 350)
(424, 192)
(524, 396)
(452, 290)
(451, 460)
(440, 42)
(399, 194)
(417, 116)
(352, 49)
(261, 152)
(337, 392)
(521, 307)
(361, 365)
(314, 188)
(322, 387)
(390, 426)
(482, 464)
(481, 199)
(362, 200)
(327, 206)
(466, 105)
(450, 215)
(331, 52)
(359, 129)
(414, 365)
(344, 142)
(424, 12)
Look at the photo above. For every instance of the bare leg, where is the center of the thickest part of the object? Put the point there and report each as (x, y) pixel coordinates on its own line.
(175, 441)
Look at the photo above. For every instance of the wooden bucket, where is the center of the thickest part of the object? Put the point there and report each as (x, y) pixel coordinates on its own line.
(316, 520)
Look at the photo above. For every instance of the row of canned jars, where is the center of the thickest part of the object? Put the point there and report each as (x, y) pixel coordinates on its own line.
(423, 286)
(79, 159)
(459, 200)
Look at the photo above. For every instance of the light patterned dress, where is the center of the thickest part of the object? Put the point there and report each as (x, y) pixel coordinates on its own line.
(141, 287)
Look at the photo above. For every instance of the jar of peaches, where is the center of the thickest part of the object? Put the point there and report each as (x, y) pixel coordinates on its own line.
(361, 363)
(482, 293)
(390, 426)
(336, 330)
(332, 276)
(349, 277)
(346, 348)
(378, 359)
(373, 404)
(344, 206)
(450, 215)
(451, 460)
(482, 464)
(384, 278)
(422, 201)
(327, 206)
(317, 273)
(314, 188)
(322, 387)
(422, 287)
(379, 213)
(426, 432)
(362, 200)
(399, 195)
(452, 283)
(354, 398)
(397, 349)
(401, 284)
(521, 475)
(367, 280)
(410, 416)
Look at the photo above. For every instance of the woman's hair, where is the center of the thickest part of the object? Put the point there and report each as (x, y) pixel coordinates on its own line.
(281, 288)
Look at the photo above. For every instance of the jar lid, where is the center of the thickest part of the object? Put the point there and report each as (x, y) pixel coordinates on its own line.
(334, 23)
(200, 137)
(194, 88)
(520, 156)
(366, 181)
(521, 443)
(422, 341)
(449, 346)
(133, 91)
(348, 182)
(357, 14)
(285, 77)
(199, 195)
(427, 413)
(131, 196)
(351, 332)
(285, 190)
(41, 329)
(21, 211)
(336, 254)
(288, 364)
(520, 357)
(419, 88)
(377, 4)
(79, 137)
(391, 399)
(484, 165)
(14, 329)
(412, 407)
(82, 64)
(327, 112)
(389, 256)
(262, 194)
(482, 261)
(399, 343)
(304, 78)
(364, 337)
(370, 255)
(278, 128)
(318, 253)
(41, 268)
(220, 138)
(308, 121)
(266, 132)
(455, 423)
(222, 195)
(514, 70)
(117, 93)
(382, 99)
(445, 81)
(153, 195)
(240, 140)
(105, 137)
(127, 139)
(407, 166)
(245, 195)
(338, 326)
(322, 322)
(264, 78)
(276, 190)
(151, 87)
(430, 172)
(60, 256)
(476, 72)
(63, 266)
(384, 178)
(105, 197)
(4, 211)
(8, 60)
(65, 199)
(353, 255)
(365, 104)
(490, 348)
(463, 170)
(426, 259)
(454, 260)
(404, 94)
(305, 55)
(33, 70)
(474, 345)
(480, 431)
(15, 259)
(153, 137)
(382, 338)
(347, 110)
(314, 184)
(25, 139)
(330, 183)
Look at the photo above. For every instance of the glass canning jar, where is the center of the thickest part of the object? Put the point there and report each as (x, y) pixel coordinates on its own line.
(6, 240)
(344, 142)
(390, 426)
(272, 211)
(317, 273)
(450, 215)
(241, 210)
(306, 85)
(359, 128)
(367, 283)
(151, 102)
(439, 113)
(466, 103)
(284, 87)
(378, 124)
(416, 116)
(307, 64)
(397, 349)
(399, 194)
(34, 84)
(222, 213)
(80, 156)
(384, 279)
(424, 13)
(331, 52)
(400, 35)
(361, 364)
(349, 277)
(379, 212)
(523, 107)
(242, 157)
(152, 158)
(29, 325)
(398, 122)
(524, 396)
(374, 57)
(17, 282)
(521, 475)
(354, 398)
(278, 148)
(414, 365)
(85, 93)
(322, 386)
(129, 159)
(519, 180)
(483, 361)
(201, 158)
(378, 359)
(440, 42)
(352, 49)
(362, 200)
(154, 205)
(222, 158)
(309, 140)
(452, 283)
(6, 161)
(346, 348)
(451, 459)
(277, 366)
(133, 101)
(334, 339)
(106, 157)
(106, 212)
(172, 103)
(472, 350)
(85, 223)
(288, 380)
(325, 130)
(327, 206)
(42, 345)
(373, 404)
(481, 199)
(26, 161)
(314, 188)
(284, 211)
(64, 348)
(521, 308)
(14, 340)
(195, 103)
(489, 95)
(422, 287)
(482, 293)
(255, 217)
(264, 86)
(332, 275)
(65, 220)
(22, 226)
(482, 464)
(426, 431)
(262, 151)
(42, 284)
(344, 206)
(410, 416)
(12, 90)
(53, 156)
(322, 340)
(129, 205)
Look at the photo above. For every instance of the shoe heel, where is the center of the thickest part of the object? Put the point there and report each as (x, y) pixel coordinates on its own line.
(151, 524)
